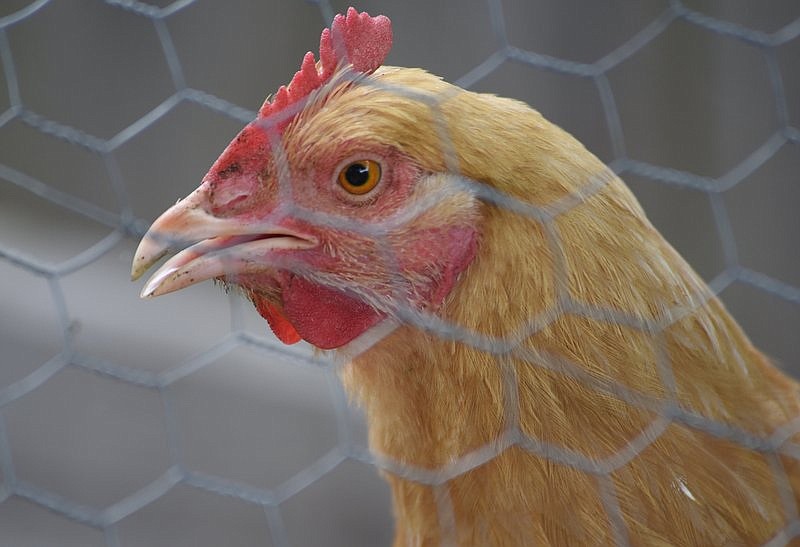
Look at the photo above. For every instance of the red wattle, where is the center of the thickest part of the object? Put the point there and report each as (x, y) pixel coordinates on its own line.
(325, 317)
(281, 326)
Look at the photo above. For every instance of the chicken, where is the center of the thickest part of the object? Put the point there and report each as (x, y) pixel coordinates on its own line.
(537, 365)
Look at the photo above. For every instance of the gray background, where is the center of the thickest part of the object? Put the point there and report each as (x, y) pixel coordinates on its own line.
(101, 393)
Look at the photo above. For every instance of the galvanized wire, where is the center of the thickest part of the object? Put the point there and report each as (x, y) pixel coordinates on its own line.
(123, 222)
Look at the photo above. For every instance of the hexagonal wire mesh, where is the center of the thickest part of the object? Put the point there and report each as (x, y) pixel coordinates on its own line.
(177, 423)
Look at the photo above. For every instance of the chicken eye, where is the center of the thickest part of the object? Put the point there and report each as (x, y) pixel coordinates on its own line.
(360, 176)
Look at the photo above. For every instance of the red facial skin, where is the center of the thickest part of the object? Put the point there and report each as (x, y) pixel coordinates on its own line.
(361, 270)
(319, 263)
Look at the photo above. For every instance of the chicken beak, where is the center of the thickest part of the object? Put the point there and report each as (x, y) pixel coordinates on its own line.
(183, 223)
(209, 246)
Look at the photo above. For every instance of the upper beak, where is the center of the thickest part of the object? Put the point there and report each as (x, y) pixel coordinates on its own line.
(209, 246)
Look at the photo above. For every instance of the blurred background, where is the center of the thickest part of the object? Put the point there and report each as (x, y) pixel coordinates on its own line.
(182, 420)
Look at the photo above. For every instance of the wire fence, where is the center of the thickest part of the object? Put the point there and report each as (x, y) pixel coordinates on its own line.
(123, 223)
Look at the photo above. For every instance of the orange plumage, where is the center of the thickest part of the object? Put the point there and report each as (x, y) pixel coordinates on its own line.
(538, 366)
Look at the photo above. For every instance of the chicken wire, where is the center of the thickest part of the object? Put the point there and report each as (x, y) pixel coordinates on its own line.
(165, 389)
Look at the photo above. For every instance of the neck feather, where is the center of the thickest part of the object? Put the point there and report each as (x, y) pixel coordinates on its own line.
(588, 328)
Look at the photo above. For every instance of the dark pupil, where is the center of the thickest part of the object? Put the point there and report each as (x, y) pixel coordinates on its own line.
(357, 174)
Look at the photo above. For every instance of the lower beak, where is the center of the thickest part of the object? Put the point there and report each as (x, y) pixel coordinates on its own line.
(209, 246)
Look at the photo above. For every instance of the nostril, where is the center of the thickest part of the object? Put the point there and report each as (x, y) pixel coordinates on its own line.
(236, 201)
(230, 192)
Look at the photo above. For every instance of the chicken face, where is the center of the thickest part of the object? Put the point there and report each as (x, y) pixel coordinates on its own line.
(329, 227)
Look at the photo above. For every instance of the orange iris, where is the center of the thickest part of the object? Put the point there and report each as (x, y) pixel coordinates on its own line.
(360, 176)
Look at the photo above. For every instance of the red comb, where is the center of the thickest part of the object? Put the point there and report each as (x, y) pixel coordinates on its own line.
(356, 38)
